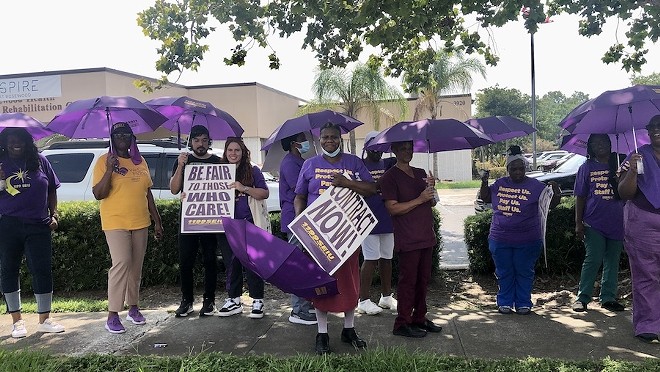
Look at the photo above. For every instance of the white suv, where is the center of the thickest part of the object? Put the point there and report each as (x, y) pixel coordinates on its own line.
(73, 163)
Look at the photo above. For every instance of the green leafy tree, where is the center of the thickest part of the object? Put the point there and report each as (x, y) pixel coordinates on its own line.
(643, 17)
(450, 72)
(551, 109)
(498, 101)
(403, 34)
(351, 92)
(651, 79)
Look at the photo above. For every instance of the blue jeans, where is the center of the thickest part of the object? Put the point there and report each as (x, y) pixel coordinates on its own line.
(33, 241)
(299, 304)
(514, 268)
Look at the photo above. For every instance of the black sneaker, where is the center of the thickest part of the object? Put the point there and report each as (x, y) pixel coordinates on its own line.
(208, 308)
(349, 336)
(613, 306)
(184, 309)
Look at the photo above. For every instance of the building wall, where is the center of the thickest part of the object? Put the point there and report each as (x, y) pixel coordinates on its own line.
(258, 108)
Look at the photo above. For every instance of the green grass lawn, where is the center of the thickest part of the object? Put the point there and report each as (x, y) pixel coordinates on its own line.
(458, 185)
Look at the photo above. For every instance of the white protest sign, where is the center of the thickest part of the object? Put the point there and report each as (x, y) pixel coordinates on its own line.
(544, 206)
(207, 197)
(332, 228)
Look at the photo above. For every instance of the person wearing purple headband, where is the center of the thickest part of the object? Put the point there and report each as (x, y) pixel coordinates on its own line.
(122, 183)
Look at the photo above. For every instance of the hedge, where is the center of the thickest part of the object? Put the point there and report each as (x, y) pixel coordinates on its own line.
(565, 252)
(81, 258)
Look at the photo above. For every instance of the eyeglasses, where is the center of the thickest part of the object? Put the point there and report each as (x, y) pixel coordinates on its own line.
(122, 135)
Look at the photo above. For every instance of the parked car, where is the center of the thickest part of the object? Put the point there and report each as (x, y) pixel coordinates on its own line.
(552, 161)
(73, 163)
(564, 175)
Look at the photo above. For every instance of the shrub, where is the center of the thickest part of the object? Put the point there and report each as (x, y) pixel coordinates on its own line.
(565, 252)
(81, 258)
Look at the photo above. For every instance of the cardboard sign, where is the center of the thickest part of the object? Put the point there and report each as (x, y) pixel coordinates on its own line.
(207, 197)
(332, 228)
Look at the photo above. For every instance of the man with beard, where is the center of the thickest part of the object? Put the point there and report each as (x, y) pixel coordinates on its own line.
(199, 142)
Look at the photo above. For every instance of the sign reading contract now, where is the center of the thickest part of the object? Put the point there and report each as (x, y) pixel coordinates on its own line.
(332, 228)
(207, 197)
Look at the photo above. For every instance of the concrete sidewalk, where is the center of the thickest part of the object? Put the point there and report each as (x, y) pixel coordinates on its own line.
(552, 333)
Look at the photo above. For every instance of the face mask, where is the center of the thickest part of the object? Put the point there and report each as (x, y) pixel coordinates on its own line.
(304, 147)
(331, 154)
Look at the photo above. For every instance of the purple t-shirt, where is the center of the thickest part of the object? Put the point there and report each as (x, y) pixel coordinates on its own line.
(602, 211)
(241, 206)
(289, 172)
(26, 195)
(375, 202)
(516, 210)
(316, 174)
(412, 230)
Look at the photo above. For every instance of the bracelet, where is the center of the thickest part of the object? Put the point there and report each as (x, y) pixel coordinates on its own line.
(245, 189)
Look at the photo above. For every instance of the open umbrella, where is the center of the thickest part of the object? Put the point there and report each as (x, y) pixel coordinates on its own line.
(311, 123)
(276, 261)
(431, 135)
(623, 143)
(501, 128)
(185, 112)
(92, 118)
(20, 120)
(615, 111)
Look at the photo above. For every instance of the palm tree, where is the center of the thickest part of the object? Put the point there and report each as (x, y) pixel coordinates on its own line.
(450, 72)
(351, 92)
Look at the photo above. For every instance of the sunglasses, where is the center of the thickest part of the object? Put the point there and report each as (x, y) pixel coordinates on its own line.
(122, 135)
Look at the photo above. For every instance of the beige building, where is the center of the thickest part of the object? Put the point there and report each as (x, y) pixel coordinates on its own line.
(258, 108)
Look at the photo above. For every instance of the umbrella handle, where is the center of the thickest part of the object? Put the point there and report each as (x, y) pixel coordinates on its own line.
(633, 127)
(107, 116)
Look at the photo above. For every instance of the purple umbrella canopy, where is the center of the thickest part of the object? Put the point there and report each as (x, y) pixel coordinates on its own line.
(20, 120)
(501, 128)
(276, 261)
(185, 112)
(431, 136)
(311, 123)
(623, 143)
(615, 111)
(92, 118)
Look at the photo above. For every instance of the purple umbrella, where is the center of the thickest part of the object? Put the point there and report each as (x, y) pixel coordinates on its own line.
(91, 118)
(501, 128)
(185, 112)
(20, 120)
(276, 261)
(623, 143)
(431, 136)
(615, 111)
(311, 123)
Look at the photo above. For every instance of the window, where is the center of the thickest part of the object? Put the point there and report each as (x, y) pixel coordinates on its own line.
(153, 163)
(71, 168)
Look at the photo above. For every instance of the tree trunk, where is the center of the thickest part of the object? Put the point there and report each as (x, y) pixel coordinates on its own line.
(351, 142)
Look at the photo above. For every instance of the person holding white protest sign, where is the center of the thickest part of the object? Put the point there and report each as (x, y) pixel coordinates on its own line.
(123, 185)
(409, 195)
(200, 143)
(250, 183)
(378, 247)
(296, 145)
(317, 174)
(516, 237)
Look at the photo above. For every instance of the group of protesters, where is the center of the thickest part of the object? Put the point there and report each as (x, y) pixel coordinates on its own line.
(616, 207)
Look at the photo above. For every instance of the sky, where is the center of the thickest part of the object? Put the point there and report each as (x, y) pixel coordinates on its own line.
(45, 35)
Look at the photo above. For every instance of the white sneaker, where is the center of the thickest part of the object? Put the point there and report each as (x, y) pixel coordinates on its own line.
(48, 326)
(257, 309)
(387, 302)
(368, 307)
(231, 307)
(18, 329)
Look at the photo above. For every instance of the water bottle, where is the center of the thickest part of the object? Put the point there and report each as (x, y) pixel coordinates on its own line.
(3, 185)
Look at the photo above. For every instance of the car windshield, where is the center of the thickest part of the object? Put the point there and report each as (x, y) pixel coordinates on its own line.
(571, 165)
